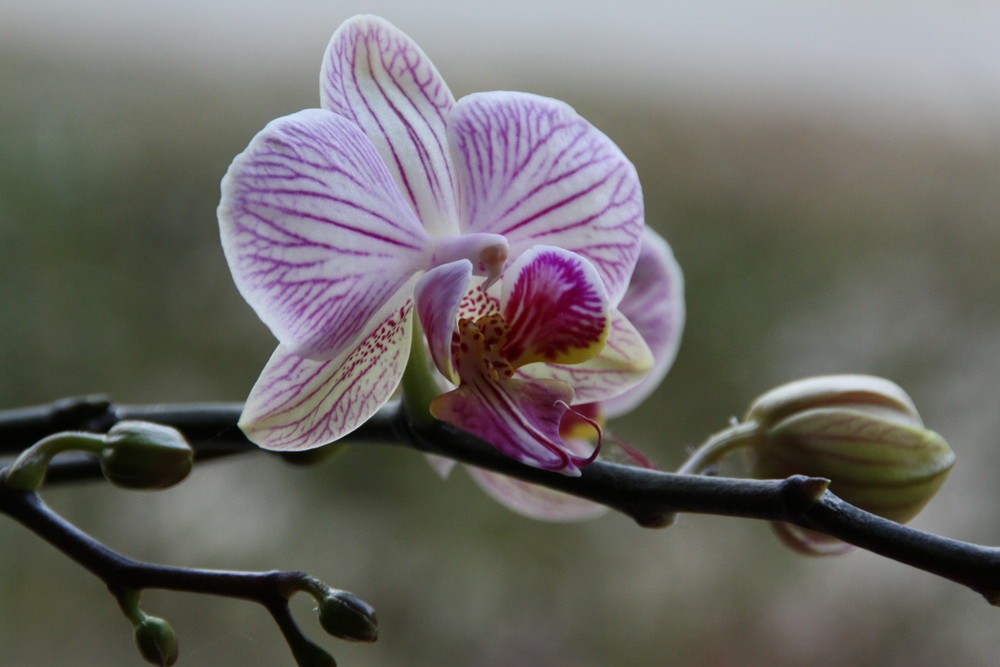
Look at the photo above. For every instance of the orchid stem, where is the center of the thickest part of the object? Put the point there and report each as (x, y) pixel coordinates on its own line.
(720, 445)
(419, 385)
(28, 471)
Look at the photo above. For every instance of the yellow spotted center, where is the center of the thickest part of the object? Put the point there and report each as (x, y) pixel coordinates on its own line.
(478, 346)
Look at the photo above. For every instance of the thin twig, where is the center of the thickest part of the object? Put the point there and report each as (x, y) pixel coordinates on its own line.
(270, 589)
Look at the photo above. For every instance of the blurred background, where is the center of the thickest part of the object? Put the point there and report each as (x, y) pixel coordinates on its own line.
(828, 175)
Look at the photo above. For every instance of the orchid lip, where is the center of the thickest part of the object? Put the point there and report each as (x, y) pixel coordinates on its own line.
(552, 306)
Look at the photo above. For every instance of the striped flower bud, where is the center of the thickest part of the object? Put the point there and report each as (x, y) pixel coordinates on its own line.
(863, 433)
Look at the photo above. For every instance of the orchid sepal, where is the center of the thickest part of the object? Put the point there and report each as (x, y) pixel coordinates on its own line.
(538, 502)
(654, 306)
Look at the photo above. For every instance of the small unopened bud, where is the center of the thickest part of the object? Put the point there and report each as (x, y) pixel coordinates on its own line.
(143, 455)
(863, 434)
(156, 641)
(348, 617)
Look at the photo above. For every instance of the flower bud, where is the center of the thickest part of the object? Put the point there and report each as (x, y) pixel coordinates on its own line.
(863, 434)
(348, 617)
(143, 455)
(156, 641)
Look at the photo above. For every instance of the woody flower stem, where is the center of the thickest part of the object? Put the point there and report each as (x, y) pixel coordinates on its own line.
(121, 573)
(650, 497)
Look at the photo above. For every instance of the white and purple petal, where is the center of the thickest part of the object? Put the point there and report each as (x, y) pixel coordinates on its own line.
(376, 76)
(438, 295)
(300, 403)
(556, 307)
(316, 233)
(519, 417)
(654, 304)
(529, 168)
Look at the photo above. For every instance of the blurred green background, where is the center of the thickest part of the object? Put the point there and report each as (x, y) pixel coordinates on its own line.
(829, 178)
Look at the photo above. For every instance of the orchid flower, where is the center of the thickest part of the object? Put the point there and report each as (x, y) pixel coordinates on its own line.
(654, 302)
(333, 220)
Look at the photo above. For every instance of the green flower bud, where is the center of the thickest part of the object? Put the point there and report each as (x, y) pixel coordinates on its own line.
(863, 434)
(143, 455)
(348, 617)
(156, 641)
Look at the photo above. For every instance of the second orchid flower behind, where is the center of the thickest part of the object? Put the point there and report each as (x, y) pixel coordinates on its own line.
(338, 222)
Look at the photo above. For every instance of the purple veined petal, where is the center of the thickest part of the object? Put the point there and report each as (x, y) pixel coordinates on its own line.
(301, 403)
(438, 294)
(316, 233)
(531, 169)
(539, 502)
(376, 76)
(621, 365)
(654, 303)
(556, 307)
(518, 417)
